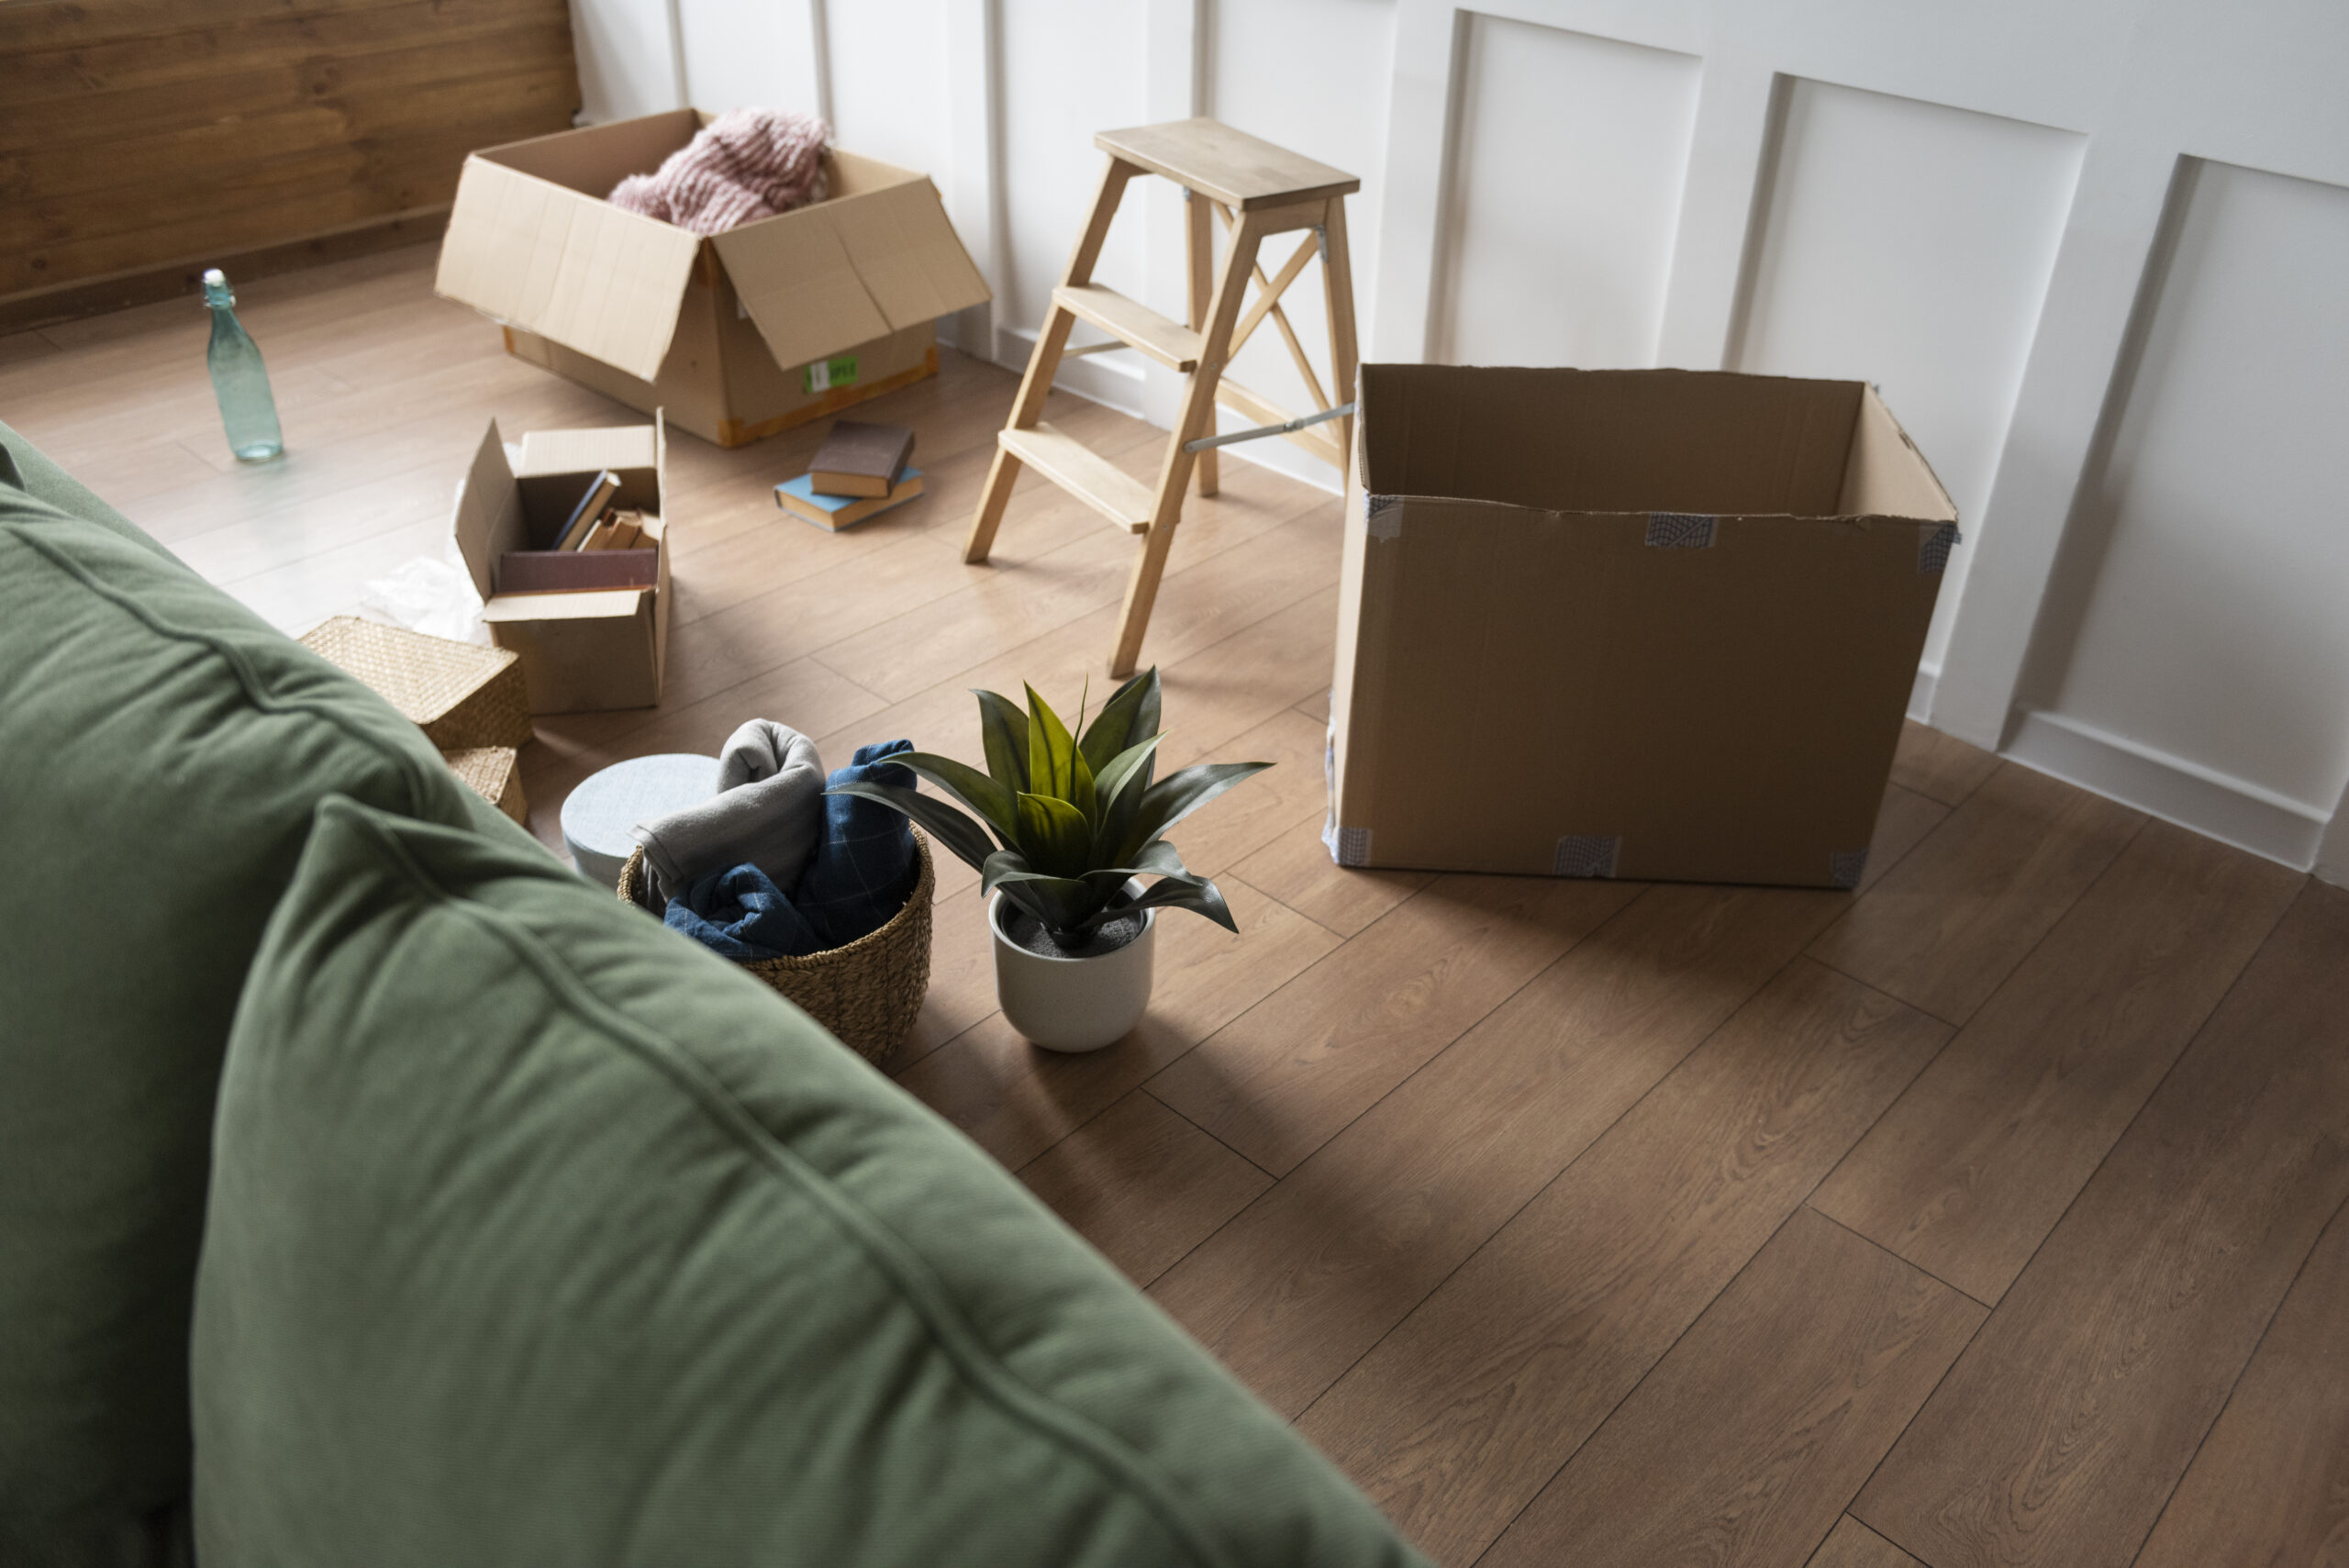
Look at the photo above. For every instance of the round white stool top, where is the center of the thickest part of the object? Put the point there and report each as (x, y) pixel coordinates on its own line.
(599, 814)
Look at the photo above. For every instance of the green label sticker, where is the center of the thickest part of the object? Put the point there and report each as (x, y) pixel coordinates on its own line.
(825, 374)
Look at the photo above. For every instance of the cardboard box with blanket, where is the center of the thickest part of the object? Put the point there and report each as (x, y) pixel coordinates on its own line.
(737, 335)
(1642, 624)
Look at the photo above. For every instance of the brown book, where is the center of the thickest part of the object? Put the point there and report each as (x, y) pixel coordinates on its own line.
(833, 513)
(590, 510)
(858, 459)
(576, 571)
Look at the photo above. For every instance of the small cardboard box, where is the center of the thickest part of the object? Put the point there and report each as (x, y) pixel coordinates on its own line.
(737, 335)
(1642, 624)
(581, 652)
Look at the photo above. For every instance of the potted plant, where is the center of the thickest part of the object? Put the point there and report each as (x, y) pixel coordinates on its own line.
(1063, 828)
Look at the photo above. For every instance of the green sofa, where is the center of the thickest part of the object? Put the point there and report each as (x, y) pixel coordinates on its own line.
(374, 1191)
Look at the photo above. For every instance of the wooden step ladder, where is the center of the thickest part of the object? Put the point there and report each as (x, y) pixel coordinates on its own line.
(1258, 190)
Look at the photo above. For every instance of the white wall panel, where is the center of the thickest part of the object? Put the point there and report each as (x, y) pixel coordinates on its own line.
(1910, 245)
(1070, 68)
(1566, 161)
(739, 54)
(2205, 582)
(626, 64)
(890, 89)
(1253, 51)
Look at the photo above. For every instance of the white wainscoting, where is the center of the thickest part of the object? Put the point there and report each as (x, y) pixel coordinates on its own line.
(2092, 249)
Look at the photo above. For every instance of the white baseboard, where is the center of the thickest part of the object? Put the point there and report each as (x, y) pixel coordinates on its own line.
(1114, 380)
(2232, 810)
(1920, 692)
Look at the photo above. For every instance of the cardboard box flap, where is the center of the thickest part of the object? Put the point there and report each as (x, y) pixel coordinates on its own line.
(830, 276)
(565, 265)
(1702, 442)
(795, 276)
(1886, 476)
(906, 252)
(488, 519)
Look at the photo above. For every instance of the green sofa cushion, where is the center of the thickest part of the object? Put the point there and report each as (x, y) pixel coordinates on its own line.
(539, 1235)
(162, 754)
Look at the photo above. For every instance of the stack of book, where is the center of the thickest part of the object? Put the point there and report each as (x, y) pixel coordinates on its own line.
(598, 547)
(860, 469)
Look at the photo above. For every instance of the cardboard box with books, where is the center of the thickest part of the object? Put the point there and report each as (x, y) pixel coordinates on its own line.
(738, 335)
(1640, 624)
(567, 545)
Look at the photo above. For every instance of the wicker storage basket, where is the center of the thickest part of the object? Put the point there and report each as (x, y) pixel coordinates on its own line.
(494, 773)
(867, 992)
(461, 695)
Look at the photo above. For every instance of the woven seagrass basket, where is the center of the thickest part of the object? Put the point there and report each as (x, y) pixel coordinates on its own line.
(867, 992)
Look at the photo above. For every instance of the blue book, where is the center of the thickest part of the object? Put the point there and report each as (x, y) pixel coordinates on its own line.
(833, 513)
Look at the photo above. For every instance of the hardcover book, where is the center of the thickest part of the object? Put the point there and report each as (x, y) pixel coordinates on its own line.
(859, 459)
(803, 500)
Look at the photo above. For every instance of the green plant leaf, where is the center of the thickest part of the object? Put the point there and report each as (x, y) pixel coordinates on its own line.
(1054, 838)
(1049, 747)
(1064, 905)
(1129, 716)
(950, 828)
(1003, 729)
(1178, 794)
(994, 802)
(1196, 894)
(1125, 771)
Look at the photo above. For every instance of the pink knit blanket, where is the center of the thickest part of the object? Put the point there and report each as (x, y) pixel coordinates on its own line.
(744, 165)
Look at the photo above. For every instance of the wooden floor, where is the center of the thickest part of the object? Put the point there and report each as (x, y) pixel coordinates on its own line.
(1993, 1215)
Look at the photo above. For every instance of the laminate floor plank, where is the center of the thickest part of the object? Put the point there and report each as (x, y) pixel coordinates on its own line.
(1938, 765)
(1288, 1075)
(1956, 915)
(1745, 1441)
(1851, 1544)
(2058, 1436)
(1438, 1087)
(1142, 1184)
(1966, 1175)
(1017, 1100)
(1295, 1289)
(1458, 1418)
(2271, 1483)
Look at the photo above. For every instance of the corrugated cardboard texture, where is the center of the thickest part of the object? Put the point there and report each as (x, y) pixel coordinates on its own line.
(488, 521)
(567, 266)
(1616, 623)
(878, 256)
(580, 651)
(532, 243)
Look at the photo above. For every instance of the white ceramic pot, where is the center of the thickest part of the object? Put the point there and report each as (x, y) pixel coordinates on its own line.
(1071, 1004)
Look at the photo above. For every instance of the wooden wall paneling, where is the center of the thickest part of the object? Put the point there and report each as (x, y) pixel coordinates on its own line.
(145, 141)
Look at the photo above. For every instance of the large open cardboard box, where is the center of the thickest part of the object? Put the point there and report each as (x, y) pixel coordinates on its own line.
(736, 336)
(1641, 624)
(581, 652)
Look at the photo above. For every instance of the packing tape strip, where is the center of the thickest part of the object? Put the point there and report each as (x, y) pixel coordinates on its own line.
(1586, 854)
(1385, 522)
(1680, 530)
(1933, 551)
(1847, 866)
(1347, 846)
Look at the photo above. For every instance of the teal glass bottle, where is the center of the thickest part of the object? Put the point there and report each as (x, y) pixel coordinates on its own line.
(238, 379)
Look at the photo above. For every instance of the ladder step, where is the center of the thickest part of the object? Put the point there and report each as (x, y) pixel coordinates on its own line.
(1077, 469)
(1171, 343)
